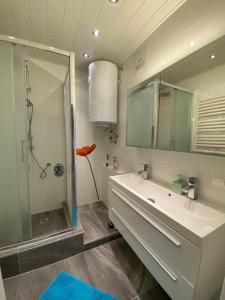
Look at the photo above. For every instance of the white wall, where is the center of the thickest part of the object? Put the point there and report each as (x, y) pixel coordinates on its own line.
(49, 138)
(208, 84)
(201, 21)
(48, 129)
(86, 134)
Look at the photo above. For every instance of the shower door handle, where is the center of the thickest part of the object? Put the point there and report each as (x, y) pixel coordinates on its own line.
(153, 137)
(22, 150)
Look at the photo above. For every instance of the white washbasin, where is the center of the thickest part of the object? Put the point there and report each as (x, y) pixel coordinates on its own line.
(194, 215)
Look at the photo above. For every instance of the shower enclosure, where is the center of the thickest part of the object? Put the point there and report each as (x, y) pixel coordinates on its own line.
(37, 181)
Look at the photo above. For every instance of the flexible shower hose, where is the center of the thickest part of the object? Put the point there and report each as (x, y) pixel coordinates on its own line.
(30, 107)
(43, 173)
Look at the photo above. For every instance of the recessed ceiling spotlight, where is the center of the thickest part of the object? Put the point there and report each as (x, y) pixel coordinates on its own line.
(113, 1)
(192, 43)
(11, 37)
(96, 33)
(212, 56)
(86, 55)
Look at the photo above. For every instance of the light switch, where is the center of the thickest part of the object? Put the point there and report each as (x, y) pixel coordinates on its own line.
(218, 182)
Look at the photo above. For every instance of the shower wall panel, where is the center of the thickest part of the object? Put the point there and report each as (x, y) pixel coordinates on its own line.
(11, 229)
(68, 125)
(48, 131)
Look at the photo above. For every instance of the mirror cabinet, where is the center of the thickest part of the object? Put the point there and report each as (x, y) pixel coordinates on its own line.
(183, 107)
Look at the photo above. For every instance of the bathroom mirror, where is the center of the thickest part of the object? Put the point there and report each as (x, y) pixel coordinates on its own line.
(142, 106)
(174, 118)
(192, 102)
(183, 109)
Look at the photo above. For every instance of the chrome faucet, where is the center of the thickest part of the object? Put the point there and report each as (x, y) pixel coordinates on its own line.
(191, 190)
(146, 173)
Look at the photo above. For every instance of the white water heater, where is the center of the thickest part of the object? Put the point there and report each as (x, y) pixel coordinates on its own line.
(103, 82)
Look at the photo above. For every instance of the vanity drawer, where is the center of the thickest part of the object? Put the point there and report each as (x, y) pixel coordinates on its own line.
(177, 252)
(174, 284)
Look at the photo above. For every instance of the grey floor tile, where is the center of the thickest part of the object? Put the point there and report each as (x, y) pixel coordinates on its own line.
(94, 220)
(113, 268)
(76, 266)
(139, 276)
(106, 239)
(97, 267)
(106, 273)
(93, 228)
(50, 253)
(157, 293)
(29, 286)
(48, 222)
(10, 265)
(102, 212)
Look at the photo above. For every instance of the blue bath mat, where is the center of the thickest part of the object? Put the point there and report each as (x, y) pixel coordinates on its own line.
(67, 287)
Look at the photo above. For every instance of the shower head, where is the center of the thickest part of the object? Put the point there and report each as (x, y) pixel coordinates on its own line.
(29, 103)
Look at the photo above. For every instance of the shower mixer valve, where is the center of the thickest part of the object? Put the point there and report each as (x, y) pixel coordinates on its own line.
(58, 170)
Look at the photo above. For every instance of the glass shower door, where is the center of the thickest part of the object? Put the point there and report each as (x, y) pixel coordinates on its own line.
(181, 121)
(14, 200)
(140, 117)
(68, 128)
(175, 109)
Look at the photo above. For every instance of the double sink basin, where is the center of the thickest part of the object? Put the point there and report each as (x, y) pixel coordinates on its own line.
(195, 217)
(180, 241)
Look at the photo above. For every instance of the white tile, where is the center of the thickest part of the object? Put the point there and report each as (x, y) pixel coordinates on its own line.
(37, 11)
(48, 130)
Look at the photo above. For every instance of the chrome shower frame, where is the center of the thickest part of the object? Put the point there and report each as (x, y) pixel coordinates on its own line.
(12, 249)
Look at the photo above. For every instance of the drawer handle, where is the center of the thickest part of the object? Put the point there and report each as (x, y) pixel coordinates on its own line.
(172, 275)
(156, 226)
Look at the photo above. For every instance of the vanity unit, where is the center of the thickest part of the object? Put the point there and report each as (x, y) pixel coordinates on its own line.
(180, 241)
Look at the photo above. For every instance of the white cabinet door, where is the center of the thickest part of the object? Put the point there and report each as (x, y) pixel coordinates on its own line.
(173, 248)
(174, 284)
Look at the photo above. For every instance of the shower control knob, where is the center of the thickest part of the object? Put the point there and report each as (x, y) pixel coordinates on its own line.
(58, 170)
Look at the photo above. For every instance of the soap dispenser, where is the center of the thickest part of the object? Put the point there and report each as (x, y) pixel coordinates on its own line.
(178, 184)
(115, 164)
